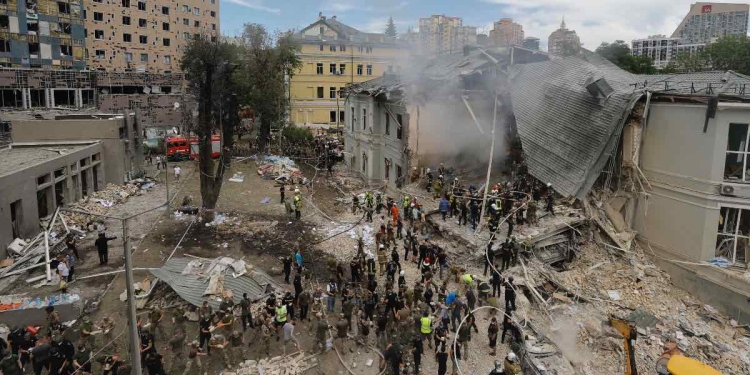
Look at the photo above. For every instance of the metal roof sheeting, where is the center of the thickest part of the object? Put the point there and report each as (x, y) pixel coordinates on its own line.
(190, 287)
(566, 133)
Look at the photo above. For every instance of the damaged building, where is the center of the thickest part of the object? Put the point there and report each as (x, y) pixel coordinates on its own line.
(659, 163)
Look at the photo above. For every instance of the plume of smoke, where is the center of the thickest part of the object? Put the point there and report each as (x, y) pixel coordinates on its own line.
(564, 333)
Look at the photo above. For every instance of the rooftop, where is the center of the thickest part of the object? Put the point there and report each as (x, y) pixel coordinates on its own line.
(16, 159)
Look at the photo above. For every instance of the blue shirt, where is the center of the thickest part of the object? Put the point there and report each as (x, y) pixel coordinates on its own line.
(444, 205)
(450, 298)
(298, 257)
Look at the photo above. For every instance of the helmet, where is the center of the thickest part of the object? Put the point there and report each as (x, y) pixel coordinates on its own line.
(429, 170)
(441, 176)
(382, 246)
(402, 273)
(494, 206)
(441, 164)
(296, 191)
(512, 357)
(412, 204)
(455, 179)
(549, 184)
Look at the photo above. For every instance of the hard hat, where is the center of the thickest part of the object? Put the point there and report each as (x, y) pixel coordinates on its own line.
(549, 184)
(428, 170)
(402, 273)
(382, 246)
(296, 190)
(441, 176)
(494, 206)
(412, 204)
(455, 179)
(512, 357)
(441, 164)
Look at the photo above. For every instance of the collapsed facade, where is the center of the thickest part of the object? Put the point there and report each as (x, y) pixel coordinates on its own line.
(659, 162)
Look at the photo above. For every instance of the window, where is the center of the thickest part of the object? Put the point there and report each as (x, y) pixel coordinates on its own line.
(320, 92)
(166, 42)
(320, 48)
(142, 22)
(364, 162)
(736, 163)
(197, 11)
(4, 21)
(164, 10)
(186, 35)
(332, 48)
(63, 8)
(64, 27)
(387, 123)
(353, 119)
(213, 26)
(359, 69)
(165, 26)
(361, 49)
(4, 45)
(97, 1)
(142, 5)
(369, 69)
(733, 238)
(342, 69)
(332, 93)
(399, 127)
(342, 117)
(322, 30)
(144, 57)
(197, 23)
(332, 116)
(66, 50)
(143, 39)
(99, 54)
(332, 68)
(128, 56)
(125, 3)
(319, 68)
(364, 118)
(387, 168)
(127, 38)
(99, 34)
(125, 20)
(167, 59)
(341, 92)
(186, 21)
(399, 173)
(368, 50)
(213, 14)
(186, 8)
(343, 48)
(98, 16)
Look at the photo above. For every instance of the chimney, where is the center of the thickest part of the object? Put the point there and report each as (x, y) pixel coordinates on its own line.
(320, 16)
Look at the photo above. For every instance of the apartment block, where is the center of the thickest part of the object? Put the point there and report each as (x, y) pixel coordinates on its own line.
(706, 22)
(335, 55)
(531, 43)
(42, 33)
(507, 33)
(563, 41)
(663, 50)
(145, 35)
(440, 34)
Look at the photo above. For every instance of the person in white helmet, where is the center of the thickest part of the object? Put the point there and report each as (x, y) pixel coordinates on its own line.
(401, 279)
(511, 365)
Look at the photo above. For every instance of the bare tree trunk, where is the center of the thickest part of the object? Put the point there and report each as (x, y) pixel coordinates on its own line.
(209, 190)
(265, 134)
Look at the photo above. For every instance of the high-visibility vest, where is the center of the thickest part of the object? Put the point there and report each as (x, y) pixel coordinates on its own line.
(426, 325)
(281, 314)
(467, 279)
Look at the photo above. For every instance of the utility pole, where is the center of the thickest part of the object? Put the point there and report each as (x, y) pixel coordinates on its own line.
(134, 347)
(489, 166)
(166, 171)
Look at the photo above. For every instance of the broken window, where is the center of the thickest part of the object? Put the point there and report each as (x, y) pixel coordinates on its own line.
(143, 39)
(364, 162)
(735, 165)
(197, 24)
(399, 173)
(186, 8)
(332, 48)
(64, 27)
(66, 50)
(144, 57)
(33, 48)
(100, 54)
(733, 239)
(360, 68)
(213, 14)
(320, 92)
(320, 48)
(186, 21)
(125, 3)
(63, 8)
(142, 22)
(164, 10)
(99, 34)
(125, 20)
(197, 11)
(332, 68)
(353, 118)
(142, 5)
(387, 168)
(341, 116)
(319, 68)
(213, 26)
(98, 16)
(32, 27)
(343, 48)
(387, 123)
(167, 59)
(342, 69)
(399, 127)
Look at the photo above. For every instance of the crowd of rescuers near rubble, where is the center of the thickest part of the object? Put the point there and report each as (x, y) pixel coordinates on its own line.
(373, 294)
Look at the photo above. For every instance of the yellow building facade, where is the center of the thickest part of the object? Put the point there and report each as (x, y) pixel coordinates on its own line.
(333, 56)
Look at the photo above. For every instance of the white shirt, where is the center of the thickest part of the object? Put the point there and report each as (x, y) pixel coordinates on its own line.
(177, 171)
(63, 268)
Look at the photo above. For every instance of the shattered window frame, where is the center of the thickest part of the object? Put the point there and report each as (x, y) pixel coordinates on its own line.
(737, 151)
(733, 234)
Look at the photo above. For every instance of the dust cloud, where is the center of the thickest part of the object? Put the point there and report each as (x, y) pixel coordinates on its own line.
(564, 333)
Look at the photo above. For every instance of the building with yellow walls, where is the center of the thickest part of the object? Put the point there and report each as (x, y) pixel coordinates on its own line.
(335, 55)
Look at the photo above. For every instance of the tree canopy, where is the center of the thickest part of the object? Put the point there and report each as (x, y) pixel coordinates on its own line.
(619, 54)
(390, 28)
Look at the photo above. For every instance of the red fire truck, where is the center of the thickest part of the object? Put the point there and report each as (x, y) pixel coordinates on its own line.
(183, 148)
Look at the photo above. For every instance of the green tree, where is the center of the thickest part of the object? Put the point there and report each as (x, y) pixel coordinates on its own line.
(619, 54)
(210, 68)
(268, 62)
(728, 53)
(390, 28)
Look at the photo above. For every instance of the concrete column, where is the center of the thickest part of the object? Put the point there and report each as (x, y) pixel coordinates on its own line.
(50, 95)
(78, 98)
(24, 99)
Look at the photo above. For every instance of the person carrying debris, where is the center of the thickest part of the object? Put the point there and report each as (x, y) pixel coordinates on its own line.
(194, 360)
(85, 329)
(219, 343)
(102, 247)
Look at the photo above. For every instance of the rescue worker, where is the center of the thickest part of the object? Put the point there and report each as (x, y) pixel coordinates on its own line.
(281, 316)
(378, 203)
(511, 366)
(355, 204)
(297, 204)
(531, 213)
(193, 360)
(510, 295)
(437, 185)
(425, 328)
(219, 343)
(382, 259)
(484, 292)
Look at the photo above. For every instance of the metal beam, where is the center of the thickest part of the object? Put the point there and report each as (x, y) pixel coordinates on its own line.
(471, 112)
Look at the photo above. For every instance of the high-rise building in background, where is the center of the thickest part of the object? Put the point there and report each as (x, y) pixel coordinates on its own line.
(531, 43)
(706, 22)
(563, 41)
(140, 35)
(507, 33)
(440, 34)
(50, 36)
(663, 50)
(335, 55)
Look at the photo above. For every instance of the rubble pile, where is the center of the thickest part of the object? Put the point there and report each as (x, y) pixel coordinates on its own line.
(100, 201)
(599, 285)
(278, 168)
(237, 225)
(281, 365)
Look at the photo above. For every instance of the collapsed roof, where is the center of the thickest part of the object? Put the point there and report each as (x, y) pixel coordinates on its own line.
(570, 112)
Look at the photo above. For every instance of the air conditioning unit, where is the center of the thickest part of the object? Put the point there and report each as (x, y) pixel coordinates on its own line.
(727, 190)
